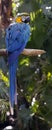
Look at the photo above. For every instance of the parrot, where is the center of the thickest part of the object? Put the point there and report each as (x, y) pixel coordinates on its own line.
(17, 36)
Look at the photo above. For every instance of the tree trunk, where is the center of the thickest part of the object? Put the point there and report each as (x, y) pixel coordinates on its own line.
(6, 11)
(0, 13)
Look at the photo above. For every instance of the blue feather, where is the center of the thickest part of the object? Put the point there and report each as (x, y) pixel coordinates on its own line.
(12, 72)
(17, 36)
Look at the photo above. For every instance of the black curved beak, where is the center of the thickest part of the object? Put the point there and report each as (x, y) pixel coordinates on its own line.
(27, 19)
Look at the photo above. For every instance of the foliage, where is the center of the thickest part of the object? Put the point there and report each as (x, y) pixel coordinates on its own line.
(15, 5)
(4, 106)
(47, 43)
(4, 78)
(26, 120)
(37, 84)
(4, 96)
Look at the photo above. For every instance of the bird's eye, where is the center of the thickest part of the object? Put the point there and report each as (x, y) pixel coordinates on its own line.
(23, 18)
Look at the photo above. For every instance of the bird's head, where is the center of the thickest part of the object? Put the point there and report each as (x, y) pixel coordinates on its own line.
(22, 17)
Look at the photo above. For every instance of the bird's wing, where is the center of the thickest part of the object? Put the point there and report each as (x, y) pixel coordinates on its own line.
(17, 36)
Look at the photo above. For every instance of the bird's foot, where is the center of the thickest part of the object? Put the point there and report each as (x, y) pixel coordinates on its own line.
(10, 118)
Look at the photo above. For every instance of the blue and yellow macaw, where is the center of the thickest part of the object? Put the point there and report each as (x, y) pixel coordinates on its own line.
(17, 36)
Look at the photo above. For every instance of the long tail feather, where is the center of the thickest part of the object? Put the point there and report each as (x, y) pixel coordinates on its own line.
(12, 72)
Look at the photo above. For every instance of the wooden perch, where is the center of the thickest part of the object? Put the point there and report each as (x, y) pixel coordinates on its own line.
(28, 52)
(33, 52)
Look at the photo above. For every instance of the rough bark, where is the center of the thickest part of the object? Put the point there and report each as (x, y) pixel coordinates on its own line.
(6, 11)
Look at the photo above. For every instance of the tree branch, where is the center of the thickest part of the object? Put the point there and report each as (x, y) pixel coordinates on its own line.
(28, 52)
(33, 52)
